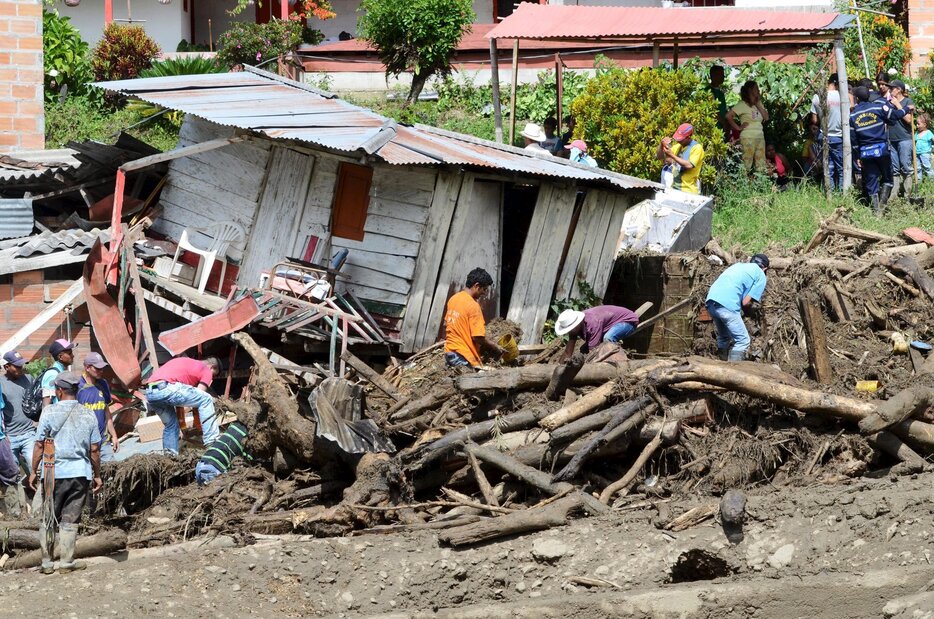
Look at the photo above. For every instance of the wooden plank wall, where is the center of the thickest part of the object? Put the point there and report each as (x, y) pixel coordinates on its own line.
(592, 250)
(222, 184)
(541, 259)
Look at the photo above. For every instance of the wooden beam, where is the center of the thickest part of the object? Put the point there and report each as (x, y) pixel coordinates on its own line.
(649, 321)
(74, 295)
(818, 355)
(497, 101)
(361, 368)
(185, 151)
(512, 99)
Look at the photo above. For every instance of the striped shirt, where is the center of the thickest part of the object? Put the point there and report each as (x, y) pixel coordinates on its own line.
(228, 446)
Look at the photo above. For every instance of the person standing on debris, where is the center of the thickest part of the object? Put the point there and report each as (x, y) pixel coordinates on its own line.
(834, 130)
(900, 147)
(220, 455)
(683, 158)
(67, 452)
(94, 394)
(603, 323)
(868, 121)
(63, 355)
(730, 296)
(20, 430)
(464, 326)
(747, 117)
(183, 382)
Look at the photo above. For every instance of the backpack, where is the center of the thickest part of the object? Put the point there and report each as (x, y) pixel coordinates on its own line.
(32, 401)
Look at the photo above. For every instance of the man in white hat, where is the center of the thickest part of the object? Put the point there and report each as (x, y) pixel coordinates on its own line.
(603, 323)
(534, 135)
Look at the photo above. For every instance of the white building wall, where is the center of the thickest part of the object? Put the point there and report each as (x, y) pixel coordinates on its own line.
(167, 24)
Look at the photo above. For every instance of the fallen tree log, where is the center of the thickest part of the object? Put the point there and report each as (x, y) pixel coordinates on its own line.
(18, 536)
(818, 355)
(538, 376)
(441, 392)
(562, 377)
(364, 370)
(666, 432)
(889, 443)
(575, 429)
(552, 515)
(904, 404)
(911, 268)
(580, 407)
(100, 544)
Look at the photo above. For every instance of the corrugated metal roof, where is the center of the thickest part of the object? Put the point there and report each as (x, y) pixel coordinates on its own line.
(282, 109)
(49, 242)
(551, 21)
(16, 218)
(32, 164)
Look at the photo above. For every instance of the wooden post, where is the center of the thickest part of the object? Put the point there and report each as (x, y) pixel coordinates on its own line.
(559, 83)
(844, 113)
(512, 99)
(674, 54)
(655, 51)
(825, 146)
(494, 82)
(230, 367)
(818, 355)
(862, 47)
(141, 312)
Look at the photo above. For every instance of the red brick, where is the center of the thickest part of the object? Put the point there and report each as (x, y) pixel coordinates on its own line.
(29, 43)
(26, 278)
(7, 8)
(22, 314)
(6, 293)
(29, 76)
(32, 293)
(32, 141)
(22, 59)
(24, 26)
(31, 10)
(30, 108)
(24, 91)
(25, 125)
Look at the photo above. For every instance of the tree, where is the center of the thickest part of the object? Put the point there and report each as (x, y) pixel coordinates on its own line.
(415, 35)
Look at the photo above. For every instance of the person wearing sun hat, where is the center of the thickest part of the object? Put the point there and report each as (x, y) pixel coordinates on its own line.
(63, 356)
(579, 154)
(683, 157)
(603, 323)
(534, 135)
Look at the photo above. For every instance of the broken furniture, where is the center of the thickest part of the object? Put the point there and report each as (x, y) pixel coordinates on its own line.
(306, 280)
(221, 234)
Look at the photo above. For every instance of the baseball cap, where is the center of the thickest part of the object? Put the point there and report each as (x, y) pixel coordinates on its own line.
(13, 358)
(60, 345)
(760, 259)
(96, 360)
(897, 84)
(686, 130)
(67, 381)
(580, 145)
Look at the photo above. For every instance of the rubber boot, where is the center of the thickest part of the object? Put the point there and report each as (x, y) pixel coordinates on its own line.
(723, 353)
(736, 355)
(907, 185)
(69, 537)
(897, 186)
(885, 192)
(48, 565)
(11, 504)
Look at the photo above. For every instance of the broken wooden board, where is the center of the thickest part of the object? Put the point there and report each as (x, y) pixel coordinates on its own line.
(223, 322)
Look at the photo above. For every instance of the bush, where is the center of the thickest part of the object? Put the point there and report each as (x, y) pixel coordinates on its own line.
(81, 118)
(623, 114)
(887, 45)
(252, 44)
(66, 59)
(123, 52)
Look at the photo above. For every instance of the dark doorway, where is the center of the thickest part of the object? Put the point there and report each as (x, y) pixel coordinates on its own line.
(518, 206)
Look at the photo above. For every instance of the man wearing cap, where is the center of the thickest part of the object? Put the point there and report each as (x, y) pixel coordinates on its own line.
(900, 141)
(534, 136)
(732, 294)
(70, 431)
(63, 356)
(578, 153)
(683, 157)
(183, 382)
(603, 323)
(20, 429)
(94, 394)
(868, 121)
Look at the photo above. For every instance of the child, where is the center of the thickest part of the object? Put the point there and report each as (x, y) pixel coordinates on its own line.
(924, 144)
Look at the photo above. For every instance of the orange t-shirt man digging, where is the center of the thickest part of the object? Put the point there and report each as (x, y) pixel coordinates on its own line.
(465, 329)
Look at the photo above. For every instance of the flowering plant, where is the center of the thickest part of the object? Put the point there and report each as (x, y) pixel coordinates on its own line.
(254, 44)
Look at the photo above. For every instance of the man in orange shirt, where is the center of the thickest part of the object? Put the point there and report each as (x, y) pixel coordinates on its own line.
(465, 329)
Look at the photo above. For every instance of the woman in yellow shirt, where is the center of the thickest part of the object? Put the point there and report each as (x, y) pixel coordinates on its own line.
(747, 117)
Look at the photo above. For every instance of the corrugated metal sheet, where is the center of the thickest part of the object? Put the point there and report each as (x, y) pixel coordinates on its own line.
(32, 164)
(286, 110)
(550, 21)
(49, 242)
(16, 218)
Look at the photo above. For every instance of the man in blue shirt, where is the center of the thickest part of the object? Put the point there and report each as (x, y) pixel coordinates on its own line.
(731, 294)
(63, 355)
(94, 394)
(869, 121)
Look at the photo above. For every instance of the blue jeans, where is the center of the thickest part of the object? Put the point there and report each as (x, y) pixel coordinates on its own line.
(455, 359)
(205, 473)
(22, 445)
(163, 402)
(835, 162)
(901, 155)
(107, 451)
(619, 331)
(730, 327)
(924, 165)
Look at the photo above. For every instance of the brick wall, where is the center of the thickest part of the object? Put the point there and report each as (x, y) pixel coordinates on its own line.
(22, 118)
(920, 31)
(24, 298)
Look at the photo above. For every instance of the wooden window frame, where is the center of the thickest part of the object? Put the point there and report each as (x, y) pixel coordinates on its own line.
(348, 219)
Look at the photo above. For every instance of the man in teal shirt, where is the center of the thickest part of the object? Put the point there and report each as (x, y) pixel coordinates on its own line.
(63, 355)
(731, 294)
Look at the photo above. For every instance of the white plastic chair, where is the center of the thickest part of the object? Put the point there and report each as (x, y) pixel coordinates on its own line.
(222, 234)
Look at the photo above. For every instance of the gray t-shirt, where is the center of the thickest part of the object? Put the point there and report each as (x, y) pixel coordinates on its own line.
(899, 131)
(14, 391)
(73, 428)
(834, 128)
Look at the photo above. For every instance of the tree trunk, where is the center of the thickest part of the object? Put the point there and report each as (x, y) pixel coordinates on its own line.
(818, 355)
(99, 544)
(577, 409)
(563, 376)
(901, 406)
(418, 83)
(553, 515)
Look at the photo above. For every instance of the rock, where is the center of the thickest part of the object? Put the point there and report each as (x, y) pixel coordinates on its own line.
(235, 587)
(520, 586)
(347, 597)
(733, 507)
(215, 569)
(602, 570)
(549, 549)
(782, 557)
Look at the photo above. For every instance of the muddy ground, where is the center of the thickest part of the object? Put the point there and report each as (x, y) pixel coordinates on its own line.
(852, 549)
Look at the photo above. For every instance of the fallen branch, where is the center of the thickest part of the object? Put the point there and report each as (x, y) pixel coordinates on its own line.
(580, 407)
(553, 515)
(99, 544)
(903, 405)
(563, 376)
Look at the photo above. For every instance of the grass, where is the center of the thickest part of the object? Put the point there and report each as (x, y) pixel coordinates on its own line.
(78, 119)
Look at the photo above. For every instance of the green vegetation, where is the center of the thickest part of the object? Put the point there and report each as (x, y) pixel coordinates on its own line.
(66, 60)
(255, 44)
(81, 118)
(417, 35)
(884, 39)
(123, 51)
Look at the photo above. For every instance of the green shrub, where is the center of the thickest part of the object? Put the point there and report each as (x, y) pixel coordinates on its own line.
(123, 52)
(623, 114)
(185, 46)
(252, 44)
(886, 43)
(66, 60)
(81, 118)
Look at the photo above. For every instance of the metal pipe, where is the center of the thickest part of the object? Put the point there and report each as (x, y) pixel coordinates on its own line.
(512, 102)
(859, 31)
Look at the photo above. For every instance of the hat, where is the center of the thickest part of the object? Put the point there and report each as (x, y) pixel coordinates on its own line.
(534, 133)
(13, 358)
(897, 84)
(580, 145)
(59, 346)
(686, 130)
(67, 381)
(567, 320)
(95, 359)
(760, 259)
